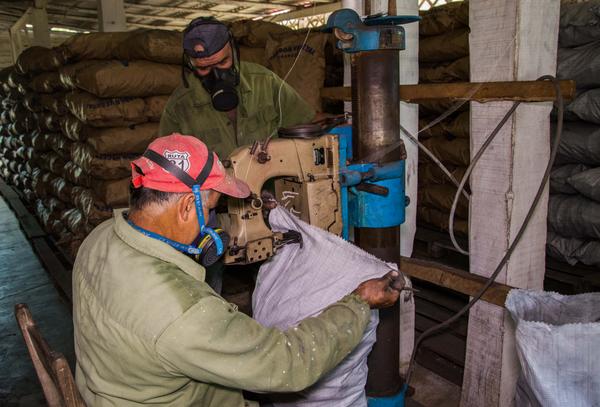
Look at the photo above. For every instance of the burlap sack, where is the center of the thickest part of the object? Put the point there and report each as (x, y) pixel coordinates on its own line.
(308, 75)
(53, 102)
(47, 82)
(49, 122)
(72, 128)
(435, 131)
(68, 73)
(117, 79)
(449, 46)
(455, 71)
(152, 45)
(430, 174)
(25, 140)
(254, 55)
(37, 59)
(32, 102)
(103, 166)
(60, 145)
(458, 125)
(5, 118)
(4, 72)
(154, 107)
(17, 81)
(75, 222)
(61, 189)
(440, 196)
(100, 45)
(256, 34)
(56, 163)
(441, 19)
(435, 217)
(93, 211)
(40, 142)
(121, 140)
(44, 215)
(455, 152)
(76, 176)
(40, 183)
(559, 178)
(112, 193)
(110, 112)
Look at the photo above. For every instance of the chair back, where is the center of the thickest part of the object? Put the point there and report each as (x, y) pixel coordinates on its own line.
(51, 367)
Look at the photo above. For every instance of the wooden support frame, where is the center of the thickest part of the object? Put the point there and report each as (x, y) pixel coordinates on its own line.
(510, 40)
(524, 91)
(454, 279)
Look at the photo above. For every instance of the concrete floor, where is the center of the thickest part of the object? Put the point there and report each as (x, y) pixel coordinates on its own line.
(432, 390)
(23, 279)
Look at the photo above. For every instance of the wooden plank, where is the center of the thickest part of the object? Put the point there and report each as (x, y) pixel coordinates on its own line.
(525, 91)
(438, 364)
(429, 311)
(409, 118)
(511, 40)
(454, 279)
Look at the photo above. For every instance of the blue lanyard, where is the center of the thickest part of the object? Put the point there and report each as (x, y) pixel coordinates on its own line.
(185, 248)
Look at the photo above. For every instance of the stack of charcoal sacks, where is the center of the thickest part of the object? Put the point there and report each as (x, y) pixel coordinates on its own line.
(33, 118)
(279, 48)
(574, 207)
(116, 87)
(443, 58)
(17, 125)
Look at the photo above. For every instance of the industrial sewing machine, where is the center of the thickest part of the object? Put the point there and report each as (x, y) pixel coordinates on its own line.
(313, 181)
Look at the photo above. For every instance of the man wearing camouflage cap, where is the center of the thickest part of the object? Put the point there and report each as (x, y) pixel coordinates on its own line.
(224, 101)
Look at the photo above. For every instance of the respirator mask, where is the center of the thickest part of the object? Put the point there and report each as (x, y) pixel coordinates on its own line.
(210, 244)
(221, 84)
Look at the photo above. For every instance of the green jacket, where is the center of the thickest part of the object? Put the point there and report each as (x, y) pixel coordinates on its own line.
(189, 111)
(149, 330)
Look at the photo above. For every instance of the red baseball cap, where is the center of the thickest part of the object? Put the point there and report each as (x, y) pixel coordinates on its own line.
(188, 157)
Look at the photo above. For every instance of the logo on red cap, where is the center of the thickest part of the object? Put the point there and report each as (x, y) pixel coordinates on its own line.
(180, 159)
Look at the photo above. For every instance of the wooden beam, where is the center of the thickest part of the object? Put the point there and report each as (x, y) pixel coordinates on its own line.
(525, 91)
(510, 40)
(454, 279)
(192, 11)
(111, 16)
(307, 12)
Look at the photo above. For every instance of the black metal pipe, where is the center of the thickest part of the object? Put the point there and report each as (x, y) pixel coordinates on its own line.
(375, 126)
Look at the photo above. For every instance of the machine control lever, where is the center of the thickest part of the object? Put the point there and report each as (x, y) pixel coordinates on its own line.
(373, 189)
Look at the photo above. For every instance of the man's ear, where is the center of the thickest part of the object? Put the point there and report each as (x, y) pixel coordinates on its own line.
(186, 208)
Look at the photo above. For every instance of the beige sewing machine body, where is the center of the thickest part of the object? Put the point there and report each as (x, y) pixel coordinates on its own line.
(306, 173)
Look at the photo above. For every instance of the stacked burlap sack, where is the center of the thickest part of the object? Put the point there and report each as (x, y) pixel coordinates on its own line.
(315, 60)
(574, 208)
(443, 58)
(32, 153)
(73, 117)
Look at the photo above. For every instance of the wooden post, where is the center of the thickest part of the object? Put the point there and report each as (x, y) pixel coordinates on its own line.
(111, 16)
(510, 40)
(39, 20)
(409, 118)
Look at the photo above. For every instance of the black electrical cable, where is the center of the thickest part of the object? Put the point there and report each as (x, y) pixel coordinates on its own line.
(513, 245)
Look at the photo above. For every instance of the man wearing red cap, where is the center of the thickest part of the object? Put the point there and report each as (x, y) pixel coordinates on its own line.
(149, 330)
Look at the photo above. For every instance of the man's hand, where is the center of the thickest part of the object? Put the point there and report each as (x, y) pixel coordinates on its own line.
(380, 292)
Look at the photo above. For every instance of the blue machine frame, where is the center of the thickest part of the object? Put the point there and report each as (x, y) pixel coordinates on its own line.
(372, 195)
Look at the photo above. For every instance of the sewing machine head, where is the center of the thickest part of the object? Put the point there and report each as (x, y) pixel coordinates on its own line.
(305, 167)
